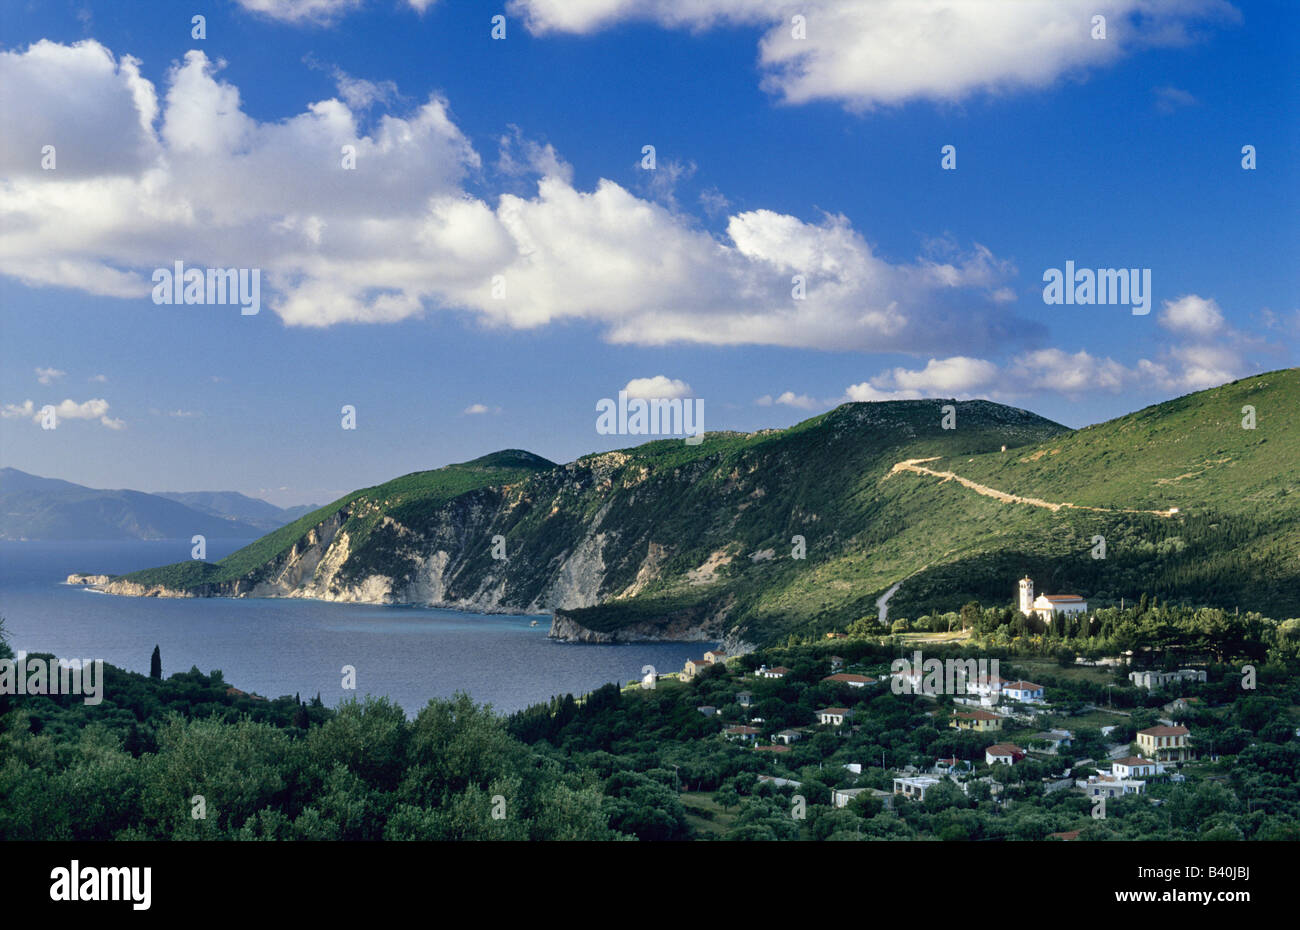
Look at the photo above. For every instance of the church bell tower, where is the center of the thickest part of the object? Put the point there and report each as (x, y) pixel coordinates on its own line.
(1026, 595)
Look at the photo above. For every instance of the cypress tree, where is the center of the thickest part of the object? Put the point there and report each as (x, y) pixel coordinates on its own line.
(155, 664)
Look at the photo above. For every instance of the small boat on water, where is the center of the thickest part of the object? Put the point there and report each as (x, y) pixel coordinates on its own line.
(534, 623)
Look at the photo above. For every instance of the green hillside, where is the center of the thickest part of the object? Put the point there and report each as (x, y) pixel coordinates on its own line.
(410, 494)
(1191, 506)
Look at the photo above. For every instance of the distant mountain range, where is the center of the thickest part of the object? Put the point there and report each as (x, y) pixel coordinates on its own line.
(750, 536)
(32, 507)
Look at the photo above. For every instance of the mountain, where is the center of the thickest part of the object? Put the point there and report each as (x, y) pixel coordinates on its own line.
(289, 514)
(231, 505)
(32, 507)
(667, 540)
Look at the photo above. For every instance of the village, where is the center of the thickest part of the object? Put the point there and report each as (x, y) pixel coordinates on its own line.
(1004, 723)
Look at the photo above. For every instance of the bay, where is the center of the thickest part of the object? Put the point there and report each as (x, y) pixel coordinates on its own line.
(278, 646)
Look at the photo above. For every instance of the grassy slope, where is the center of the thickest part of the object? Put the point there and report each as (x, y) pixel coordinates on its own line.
(423, 489)
(820, 480)
(827, 479)
(1234, 541)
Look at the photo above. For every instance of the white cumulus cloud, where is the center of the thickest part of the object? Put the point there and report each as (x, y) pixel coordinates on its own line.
(660, 386)
(865, 53)
(400, 236)
(94, 409)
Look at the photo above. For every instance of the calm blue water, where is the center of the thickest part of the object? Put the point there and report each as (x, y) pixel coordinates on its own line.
(275, 647)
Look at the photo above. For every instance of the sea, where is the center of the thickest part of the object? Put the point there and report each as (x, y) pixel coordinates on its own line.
(282, 646)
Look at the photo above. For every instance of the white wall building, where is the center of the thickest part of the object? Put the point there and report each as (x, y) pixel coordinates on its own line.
(1153, 679)
(1048, 606)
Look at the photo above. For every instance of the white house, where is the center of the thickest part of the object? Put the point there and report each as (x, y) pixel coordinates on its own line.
(1025, 691)
(915, 786)
(833, 716)
(1153, 680)
(1048, 607)
(1003, 754)
(1111, 786)
(779, 672)
(1135, 767)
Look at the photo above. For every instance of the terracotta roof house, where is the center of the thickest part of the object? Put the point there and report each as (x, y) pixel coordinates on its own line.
(853, 681)
(1134, 766)
(694, 666)
(976, 720)
(1166, 744)
(1025, 691)
(833, 716)
(1003, 754)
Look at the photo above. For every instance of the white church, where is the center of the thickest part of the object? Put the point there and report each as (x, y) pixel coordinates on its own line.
(1048, 606)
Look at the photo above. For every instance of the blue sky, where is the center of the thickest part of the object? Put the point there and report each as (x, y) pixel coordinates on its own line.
(522, 157)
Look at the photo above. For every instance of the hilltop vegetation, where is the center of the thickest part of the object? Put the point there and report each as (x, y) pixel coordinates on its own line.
(409, 496)
(801, 530)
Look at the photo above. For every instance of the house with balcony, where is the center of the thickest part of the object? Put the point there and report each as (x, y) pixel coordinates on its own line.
(1166, 744)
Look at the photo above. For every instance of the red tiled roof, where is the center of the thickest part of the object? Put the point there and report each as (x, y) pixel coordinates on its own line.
(1005, 749)
(1164, 731)
(846, 676)
(1021, 686)
(977, 715)
(1062, 597)
(841, 711)
(778, 747)
(1066, 836)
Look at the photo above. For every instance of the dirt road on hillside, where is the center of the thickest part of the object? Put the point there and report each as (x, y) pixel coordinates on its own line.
(915, 466)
